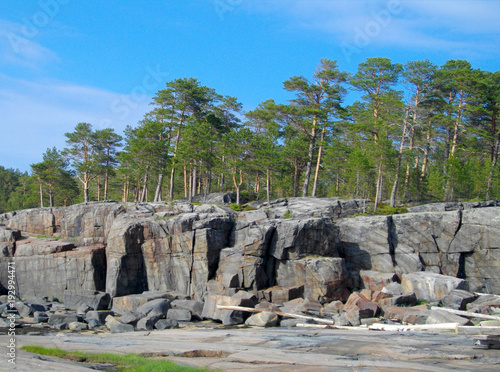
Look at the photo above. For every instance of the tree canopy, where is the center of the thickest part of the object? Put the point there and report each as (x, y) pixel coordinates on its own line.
(416, 132)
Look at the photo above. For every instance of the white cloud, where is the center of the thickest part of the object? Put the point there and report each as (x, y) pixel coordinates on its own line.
(21, 50)
(35, 115)
(436, 25)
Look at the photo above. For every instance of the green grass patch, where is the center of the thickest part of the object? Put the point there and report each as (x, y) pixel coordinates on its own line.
(235, 207)
(287, 215)
(41, 236)
(386, 209)
(124, 363)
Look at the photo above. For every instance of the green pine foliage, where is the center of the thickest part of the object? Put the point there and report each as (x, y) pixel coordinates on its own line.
(417, 133)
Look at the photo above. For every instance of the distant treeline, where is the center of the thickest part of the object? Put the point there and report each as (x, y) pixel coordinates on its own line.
(419, 132)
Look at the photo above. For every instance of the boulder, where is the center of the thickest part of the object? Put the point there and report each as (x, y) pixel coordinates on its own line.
(331, 309)
(441, 316)
(374, 296)
(194, 307)
(375, 280)
(61, 326)
(94, 323)
(279, 295)
(23, 310)
(409, 315)
(458, 299)
(431, 287)
(147, 323)
(358, 302)
(263, 319)
(131, 317)
(121, 328)
(110, 319)
(99, 316)
(74, 299)
(83, 309)
(40, 317)
(227, 317)
(354, 316)
(341, 319)
(180, 315)
(485, 301)
(132, 302)
(77, 326)
(393, 289)
(158, 307)
(166, 324)
(409, 299)
(38, 304)
(264, 305)
(55, 319)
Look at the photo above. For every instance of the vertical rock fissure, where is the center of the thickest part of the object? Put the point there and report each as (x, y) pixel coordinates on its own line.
(440, 254)
(460, 215)
(392, 240)
(193, 243)
(271, 263)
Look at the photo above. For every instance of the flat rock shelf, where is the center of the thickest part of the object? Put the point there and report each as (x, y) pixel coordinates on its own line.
(272, 349)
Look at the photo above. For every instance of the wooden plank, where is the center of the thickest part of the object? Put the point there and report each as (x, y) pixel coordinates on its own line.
(326, 326)
(466, 313)
(477, 330)
(414, 327)
(285, 315)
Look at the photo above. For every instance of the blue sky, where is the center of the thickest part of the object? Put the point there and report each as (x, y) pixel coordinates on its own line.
(66, 61)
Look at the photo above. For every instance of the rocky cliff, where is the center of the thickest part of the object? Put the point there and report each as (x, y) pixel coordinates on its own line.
(194, 249)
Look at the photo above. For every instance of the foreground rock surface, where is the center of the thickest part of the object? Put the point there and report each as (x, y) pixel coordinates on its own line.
(273, 349)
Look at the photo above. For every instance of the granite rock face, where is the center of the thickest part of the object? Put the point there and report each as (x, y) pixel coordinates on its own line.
(308, 243)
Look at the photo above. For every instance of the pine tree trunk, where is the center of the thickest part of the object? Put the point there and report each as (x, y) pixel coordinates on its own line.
(493, 166)
(98, 188)
(194, 184)
(41, 194)
(190, 192)
(237, 185)
(398, 166)
(186, 182)
(295, 178)
(378, 195)
(426, 152)
(318, 162)
(106, 180)
(310, 155)
(144, 187)
(124, 193)
(268, 185)
(158, 188)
